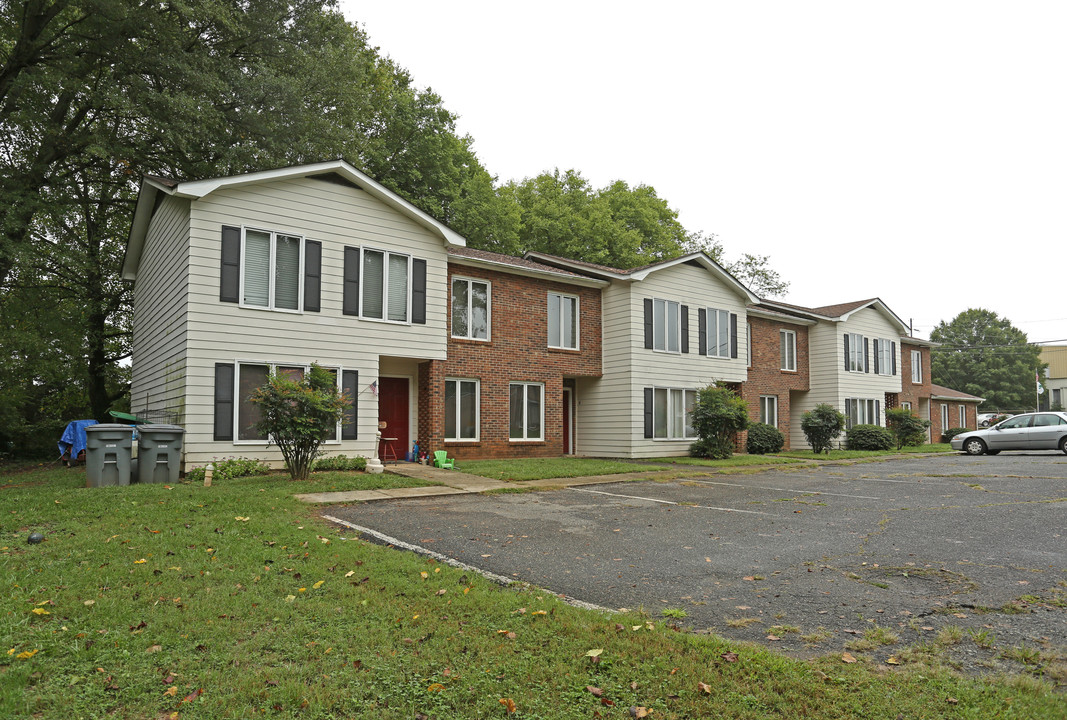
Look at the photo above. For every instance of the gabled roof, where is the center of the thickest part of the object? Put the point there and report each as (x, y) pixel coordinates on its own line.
(840, 312)
(940, 392)
(152, 186)
(521, 266)
(640, 273)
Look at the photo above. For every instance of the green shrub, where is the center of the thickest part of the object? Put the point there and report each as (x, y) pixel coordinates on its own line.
(228, 468)
(869, 437)
(906, 427)
(763, 439)
(821, 425)
(340, 462)
(947, 435)
(718, 415)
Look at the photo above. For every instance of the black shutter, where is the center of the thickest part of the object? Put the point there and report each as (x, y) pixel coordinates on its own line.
(877, 347)
(350, 387)
(866, 355)
(733, 335)
(312, 275)
(223, 401)
(648, 323)
(648, 412)
(418, 292)
(685, 328)
(350, 302)
(877, 413)
(702, 331)
(893, 357)
(848, 366)
(230, 269)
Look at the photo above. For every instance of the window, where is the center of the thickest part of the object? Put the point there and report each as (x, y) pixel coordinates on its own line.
(944, 417)
(855, 352)
(788, 343)
(249, 377)
(666, 331)
(862, 411)
(462, 401)
(906, 405)
(527, 411)
(718, 333)
(271, 270)
(1048, 420)
(916, 366)
(562, 321)
(768, 409)
(885, 357)
(962, 413)
(470, 309)
(672, 413)
(385, 280)
(1056, 399)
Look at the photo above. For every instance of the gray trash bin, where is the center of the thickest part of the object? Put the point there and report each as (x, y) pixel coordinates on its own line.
(108, 447)
(159, 453)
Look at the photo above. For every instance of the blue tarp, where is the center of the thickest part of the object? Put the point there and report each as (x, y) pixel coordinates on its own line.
(73, 440)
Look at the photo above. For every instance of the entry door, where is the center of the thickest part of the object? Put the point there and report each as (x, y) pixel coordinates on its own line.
(568, 423)
(393, 407)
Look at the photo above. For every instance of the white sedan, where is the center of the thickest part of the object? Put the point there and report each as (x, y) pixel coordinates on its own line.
(1029, 431)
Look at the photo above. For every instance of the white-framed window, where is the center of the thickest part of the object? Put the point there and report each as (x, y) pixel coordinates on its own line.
(249, 377)
(916, 366)
(962, 414)
(526, 411)
(944, 417)
(862, 411)
(906, 405)
(768, 409)
(272, 270)
(666, 326)
(857, 346)
(385, 285)
(563, 321)
(788, 343)
(748, 344)
(672, 413)
(718, 333)
(884, 360)
(470, 308)
(462, 409)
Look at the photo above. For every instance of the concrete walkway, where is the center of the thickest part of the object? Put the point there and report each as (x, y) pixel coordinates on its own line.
(455, 482)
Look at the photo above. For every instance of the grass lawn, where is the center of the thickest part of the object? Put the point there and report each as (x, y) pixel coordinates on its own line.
(546, 468)
(237, 601)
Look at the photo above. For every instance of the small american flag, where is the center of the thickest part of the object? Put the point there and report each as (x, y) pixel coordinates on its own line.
(374, 388)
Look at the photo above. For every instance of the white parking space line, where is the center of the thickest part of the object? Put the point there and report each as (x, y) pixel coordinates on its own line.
(668, 502)
(788, 490)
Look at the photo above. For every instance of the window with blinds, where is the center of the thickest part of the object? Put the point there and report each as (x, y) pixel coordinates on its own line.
(562, 321)
(386, 280)
(271, 271)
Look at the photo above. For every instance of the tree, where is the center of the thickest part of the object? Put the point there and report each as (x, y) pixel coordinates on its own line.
(754, 271)
(906, 427)
(982, 354)
(718, 415)
(821, 425)
(298, 416)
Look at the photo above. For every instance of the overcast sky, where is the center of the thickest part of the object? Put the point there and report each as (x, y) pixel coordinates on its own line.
(913, 151)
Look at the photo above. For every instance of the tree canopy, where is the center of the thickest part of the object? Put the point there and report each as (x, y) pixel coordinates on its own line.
(983, 354)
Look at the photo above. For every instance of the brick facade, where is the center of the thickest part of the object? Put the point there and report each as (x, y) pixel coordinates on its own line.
(937, 426)
(910, 391)
(517, 351)
(765, 375)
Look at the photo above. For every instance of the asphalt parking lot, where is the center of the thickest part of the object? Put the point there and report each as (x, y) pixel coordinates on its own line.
(807, 561)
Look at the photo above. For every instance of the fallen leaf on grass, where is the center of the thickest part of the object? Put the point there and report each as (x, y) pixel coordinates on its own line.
(350, 573)
(959, 615)
(435, 687)
(704, 688)
(539, 612)
(729, 656)
(892, 661)
(241, 519)
(848, 658)
(442, 591)
(290, 598)
(40, 611)
(142, 561)
(26, 654)
(594, 653)
(773, 637)
(638, 712)
(424, 574)
(319, 584)
(89, 602)
(154, 649)
(509, 704)
(171, 691)
(193, 695)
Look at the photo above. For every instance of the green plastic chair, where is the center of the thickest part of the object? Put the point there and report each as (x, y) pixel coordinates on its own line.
(441, 460)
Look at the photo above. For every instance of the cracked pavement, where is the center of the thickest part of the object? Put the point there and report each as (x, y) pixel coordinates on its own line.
(930, 549)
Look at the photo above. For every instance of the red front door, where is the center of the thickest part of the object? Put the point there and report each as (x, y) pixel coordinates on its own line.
(393, 411)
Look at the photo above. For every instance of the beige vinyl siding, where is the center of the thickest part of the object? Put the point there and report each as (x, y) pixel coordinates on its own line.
(337, 216)
(160, 313)
(611, 414)
(830, 382)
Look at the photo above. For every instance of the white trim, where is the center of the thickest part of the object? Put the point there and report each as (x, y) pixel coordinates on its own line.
(525, 404)
(664, 323)
(470, 308)
(272, 367)
(686, 425)
(577, 320)
(272, 259)
(916, 367)
(477, 410)
(762, 401)
(709, 312)
(386, 254)
(782, 334)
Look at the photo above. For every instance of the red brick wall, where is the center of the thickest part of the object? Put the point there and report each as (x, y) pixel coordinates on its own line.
(517, 351)
(766, 377)
(936, 427)
(909, 391)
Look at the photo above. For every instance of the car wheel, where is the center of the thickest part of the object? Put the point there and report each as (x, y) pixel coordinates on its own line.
(973, 446)
(1063, 445)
